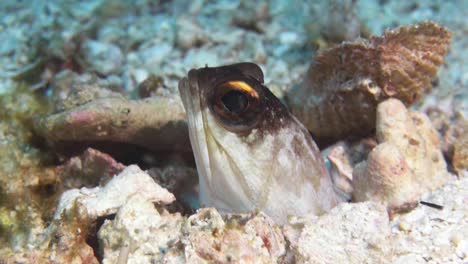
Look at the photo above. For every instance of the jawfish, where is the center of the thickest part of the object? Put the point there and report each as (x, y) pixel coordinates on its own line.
(251, 153)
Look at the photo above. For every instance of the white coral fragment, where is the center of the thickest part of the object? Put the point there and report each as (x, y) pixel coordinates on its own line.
(407, 163)
(101, 201)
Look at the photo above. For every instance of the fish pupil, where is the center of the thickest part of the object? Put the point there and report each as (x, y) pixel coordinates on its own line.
(235, 101)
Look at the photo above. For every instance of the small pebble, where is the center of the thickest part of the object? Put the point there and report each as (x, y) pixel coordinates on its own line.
(404, 226)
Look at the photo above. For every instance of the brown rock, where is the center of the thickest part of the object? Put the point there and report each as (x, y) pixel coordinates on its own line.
(344, 84)
(155, 123)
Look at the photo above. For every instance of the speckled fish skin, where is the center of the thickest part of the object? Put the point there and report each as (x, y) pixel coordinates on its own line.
(264, 160)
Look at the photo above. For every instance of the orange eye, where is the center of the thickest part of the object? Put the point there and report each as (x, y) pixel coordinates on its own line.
(242, 86)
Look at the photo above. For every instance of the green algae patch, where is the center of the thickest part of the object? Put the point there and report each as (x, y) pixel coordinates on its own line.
(29, 183)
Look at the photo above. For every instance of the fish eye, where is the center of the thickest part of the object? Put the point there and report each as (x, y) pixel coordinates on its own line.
(236, 104)
(235, 101)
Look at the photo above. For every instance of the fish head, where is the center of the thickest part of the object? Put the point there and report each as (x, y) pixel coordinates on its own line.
(251, 153)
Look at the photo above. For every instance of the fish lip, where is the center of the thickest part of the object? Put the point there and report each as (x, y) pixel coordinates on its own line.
(193, 78)
(191, 96)
(190, 92)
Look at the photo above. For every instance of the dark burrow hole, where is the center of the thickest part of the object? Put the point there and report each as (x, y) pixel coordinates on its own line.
(92, 236)
(124, 153)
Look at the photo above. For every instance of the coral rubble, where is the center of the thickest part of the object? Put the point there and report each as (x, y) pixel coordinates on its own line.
(460, 155)
(92, 113)
(406, 163)
(99, 58)
(350, 233)
(65, 240)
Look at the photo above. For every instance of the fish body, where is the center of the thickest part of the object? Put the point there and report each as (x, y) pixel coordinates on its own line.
(251, 152)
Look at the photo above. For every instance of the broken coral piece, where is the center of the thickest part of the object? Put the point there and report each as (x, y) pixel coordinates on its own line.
(407, 163)
(344, 84)
(349, 233)
(91, 168)
(142, 234)
(343, 156)
(65, 239)
(98, 201)
(90, 111)
(154, 123)
(386, 176)
(243, 238)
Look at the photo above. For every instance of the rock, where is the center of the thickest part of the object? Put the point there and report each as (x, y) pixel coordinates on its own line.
(104, 58)
(341, 22)
(98, 201)
(344, 84)
(144, 234)
(460, 155)
(154, 55)
(406, 163)
(290, 38)
(65, 240)
(350, 233)
(386, 177)
(343, 156)
(182, 181)
(79, 209)
(252, 238)
(452, 125)
(91, 168)
(189, 34)
(94, 114)
(140, 233)
(412, 133)
(197, 58)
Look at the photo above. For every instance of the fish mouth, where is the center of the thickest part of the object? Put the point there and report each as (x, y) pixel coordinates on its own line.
(189, 93)
(201, 138)
(191, 98)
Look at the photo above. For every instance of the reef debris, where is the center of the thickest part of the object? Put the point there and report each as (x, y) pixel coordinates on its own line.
(343, 156)
(452, 125)
(139, 233)
(243, 238)
(344, 84)
(407, 162)
(202, 237)
(460, 155)
(87, 114)
(89, 169)
(350, 233)
(98, 202)
(67, 239)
